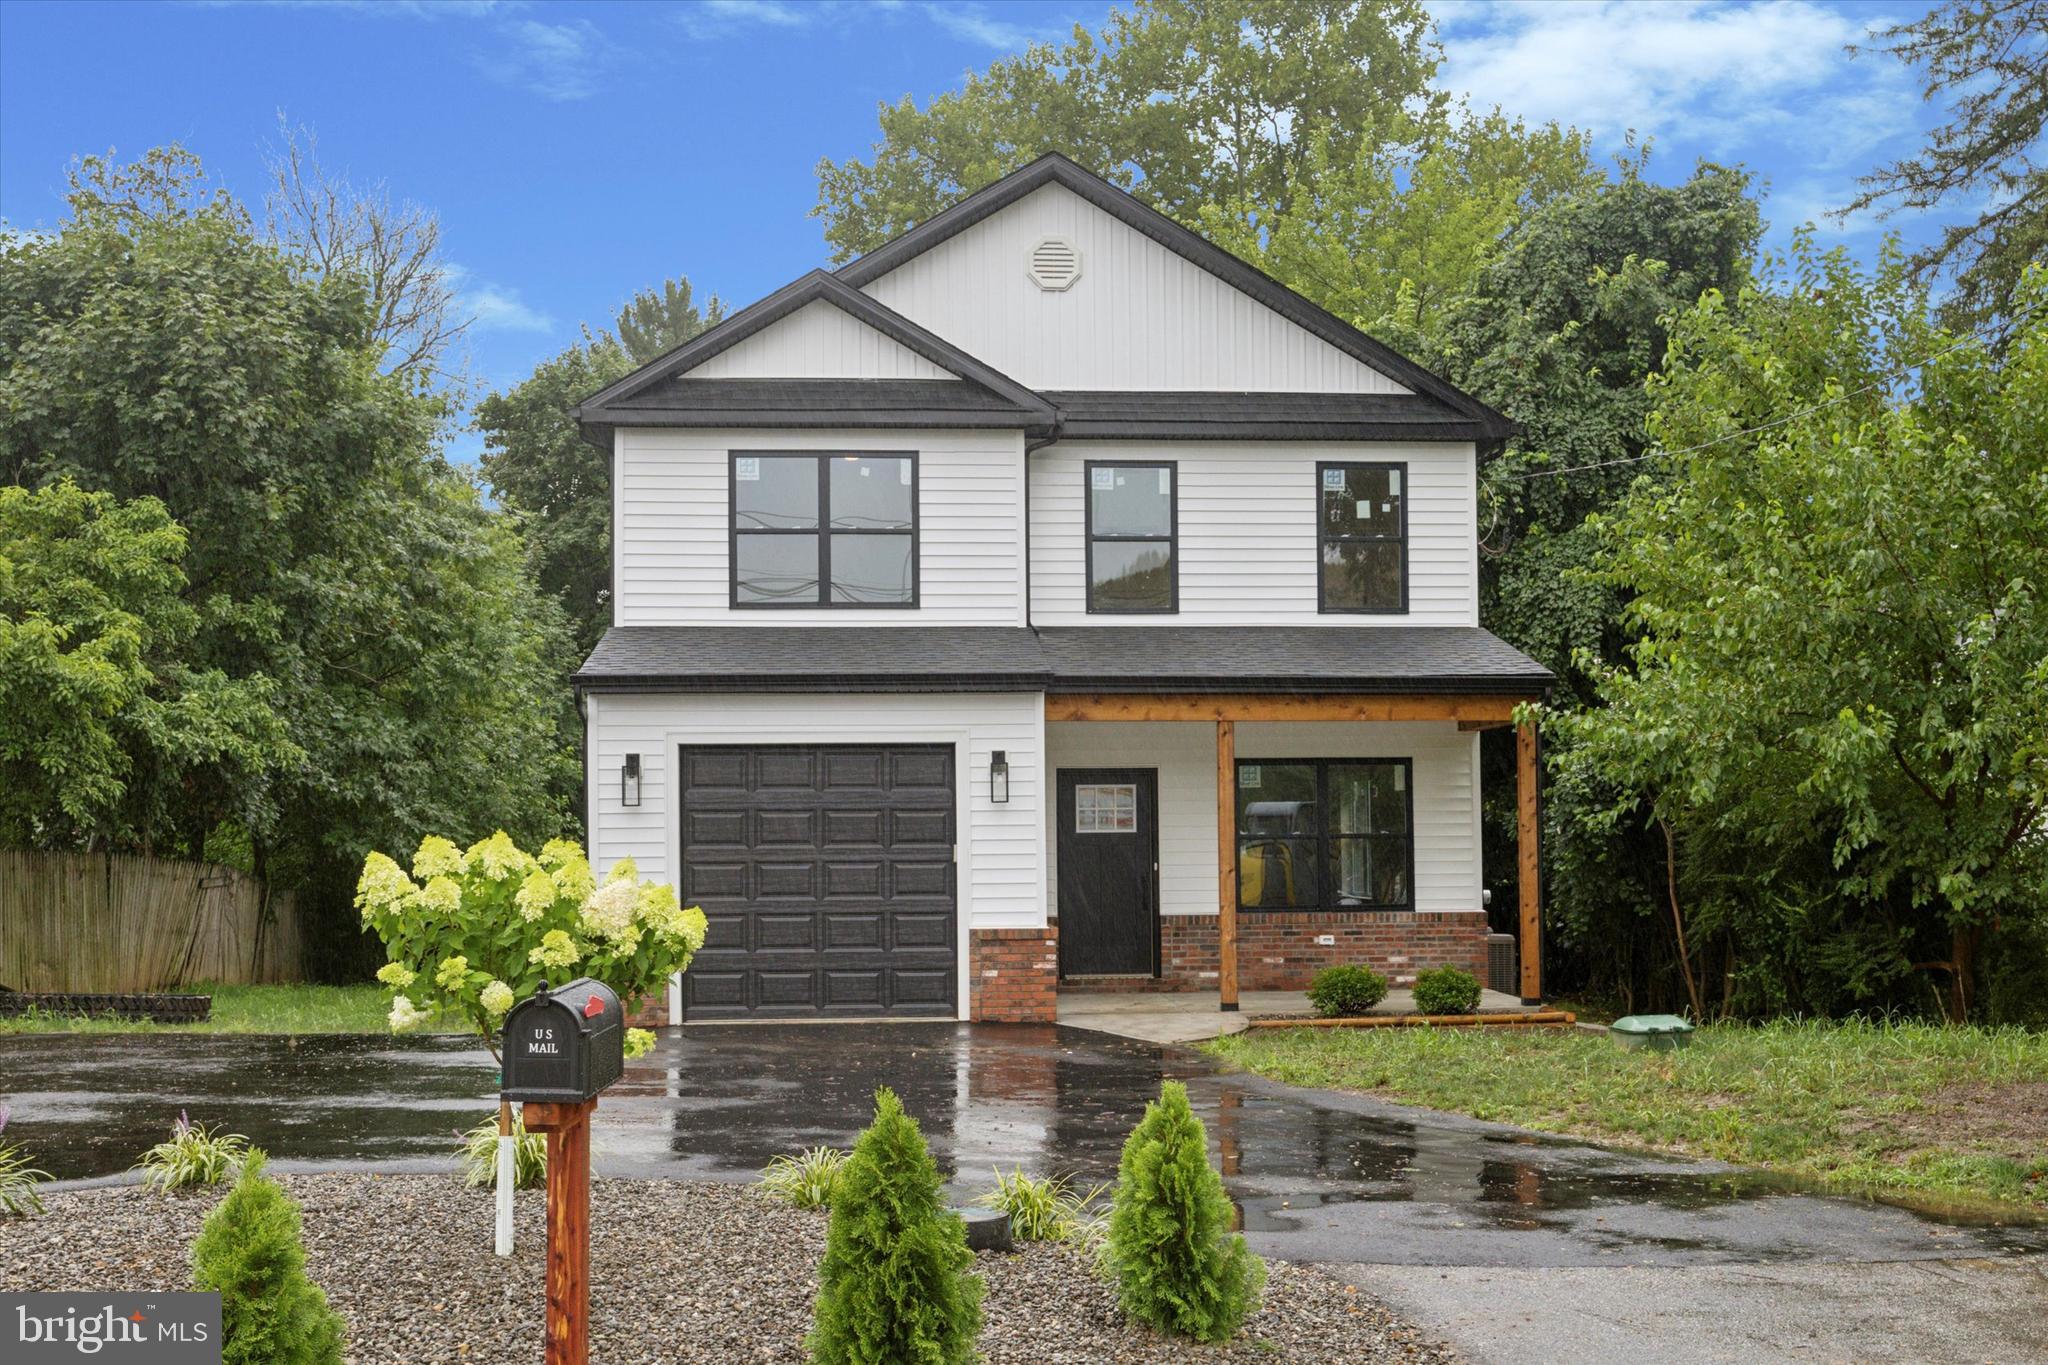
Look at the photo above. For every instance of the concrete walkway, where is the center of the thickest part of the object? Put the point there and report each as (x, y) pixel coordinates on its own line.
(1193, 1016)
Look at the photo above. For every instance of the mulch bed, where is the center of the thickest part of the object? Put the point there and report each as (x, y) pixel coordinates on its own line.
(681, 1271)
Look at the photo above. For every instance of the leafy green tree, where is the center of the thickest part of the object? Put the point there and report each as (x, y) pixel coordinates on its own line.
(894, 1287)
(1186, 103)
(1177, 1265)
(250, 1254)
(1990, 58)
(102, 717)
(1841, 680)
(656, 321)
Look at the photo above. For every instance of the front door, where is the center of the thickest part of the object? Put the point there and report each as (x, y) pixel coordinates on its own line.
(1108, 849)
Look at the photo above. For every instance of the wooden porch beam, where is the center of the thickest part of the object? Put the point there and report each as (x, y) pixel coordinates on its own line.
(1470, 725)
(1529, 864)
(1226, 862)
(1232, 706)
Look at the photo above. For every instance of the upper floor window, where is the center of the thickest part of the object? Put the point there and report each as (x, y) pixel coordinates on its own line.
(1362, 533)
(1133, 561)
(829, 530)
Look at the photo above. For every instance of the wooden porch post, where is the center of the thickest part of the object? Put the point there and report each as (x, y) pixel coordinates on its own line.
(1529, 866)
(1226, 861)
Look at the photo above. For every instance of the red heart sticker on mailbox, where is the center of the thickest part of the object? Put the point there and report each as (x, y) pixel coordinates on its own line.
(593, 1007)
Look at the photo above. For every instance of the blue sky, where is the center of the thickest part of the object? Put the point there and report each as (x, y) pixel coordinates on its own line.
(578, 152)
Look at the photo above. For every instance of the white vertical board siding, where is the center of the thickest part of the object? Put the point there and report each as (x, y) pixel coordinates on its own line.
(819, 341)
(1247, 545)
(1447, 849)
(672, 527)
(999, 870)
(1139, 316)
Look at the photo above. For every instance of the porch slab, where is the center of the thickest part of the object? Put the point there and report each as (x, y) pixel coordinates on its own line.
(1193, 1016)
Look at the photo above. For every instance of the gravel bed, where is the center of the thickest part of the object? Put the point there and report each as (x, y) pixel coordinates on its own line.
(680, 1272)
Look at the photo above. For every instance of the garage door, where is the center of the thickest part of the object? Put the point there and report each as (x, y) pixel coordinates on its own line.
(826, 872)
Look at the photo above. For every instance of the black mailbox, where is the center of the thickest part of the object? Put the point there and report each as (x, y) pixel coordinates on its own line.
(565, 1045)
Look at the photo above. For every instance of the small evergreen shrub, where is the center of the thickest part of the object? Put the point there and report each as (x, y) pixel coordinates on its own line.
(193, 1155)
(249, 1252)
(806, 1179)
(1446, 990)
(480, 1155)
(894, 1287)
(1177, 1265)
(20, 1194)
(1049, 1210)
(1343, 991)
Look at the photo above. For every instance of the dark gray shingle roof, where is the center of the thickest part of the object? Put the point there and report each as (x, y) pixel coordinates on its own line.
(685, 402)
(1104, 415)
(1074, 658)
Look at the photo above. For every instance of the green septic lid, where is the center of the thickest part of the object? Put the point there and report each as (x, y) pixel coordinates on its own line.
(1651, 1023)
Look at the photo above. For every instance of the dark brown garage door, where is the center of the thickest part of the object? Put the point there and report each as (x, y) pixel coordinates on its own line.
(826, 872)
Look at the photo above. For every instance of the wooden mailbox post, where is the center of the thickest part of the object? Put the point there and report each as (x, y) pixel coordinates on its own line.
(561, 1048)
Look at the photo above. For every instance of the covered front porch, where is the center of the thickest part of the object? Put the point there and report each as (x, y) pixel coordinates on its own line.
(1223, 847)
(1195, 1016)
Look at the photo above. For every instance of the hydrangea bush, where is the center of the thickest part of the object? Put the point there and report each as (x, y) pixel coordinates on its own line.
(469, 932)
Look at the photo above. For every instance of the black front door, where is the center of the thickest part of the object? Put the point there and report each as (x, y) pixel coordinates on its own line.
(1108, 849)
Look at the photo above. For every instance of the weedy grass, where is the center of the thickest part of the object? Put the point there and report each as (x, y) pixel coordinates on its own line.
(807, 1179)
(20, 1181)
(480, 1155)
(193, 1155)
(245, 1009)
(1049, 1209)
(1902, 1108)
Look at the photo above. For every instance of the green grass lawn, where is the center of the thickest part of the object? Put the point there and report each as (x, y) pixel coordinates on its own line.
(1904, 1109)
(245, 1009)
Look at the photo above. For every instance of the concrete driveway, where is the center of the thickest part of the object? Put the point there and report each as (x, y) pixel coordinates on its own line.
(1516, 1246)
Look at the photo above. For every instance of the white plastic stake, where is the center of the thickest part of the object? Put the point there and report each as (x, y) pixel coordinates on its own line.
(505, 1177)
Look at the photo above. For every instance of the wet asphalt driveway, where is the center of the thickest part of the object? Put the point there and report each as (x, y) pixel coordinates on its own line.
(1319, 1176)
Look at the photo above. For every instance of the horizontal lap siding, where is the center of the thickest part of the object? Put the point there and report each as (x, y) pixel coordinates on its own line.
(1248, 519)
(1139, 316)
(1447, 858)
(999, 855)
(672, 545)
(819, 341)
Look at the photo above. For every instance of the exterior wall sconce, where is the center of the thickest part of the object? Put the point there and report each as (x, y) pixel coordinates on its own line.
(629, 781)
(998, 777)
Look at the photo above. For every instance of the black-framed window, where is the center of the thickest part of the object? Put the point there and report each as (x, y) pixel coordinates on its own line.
(1362, 537)
(836, 529)
(1133, 519)
(1325, 834)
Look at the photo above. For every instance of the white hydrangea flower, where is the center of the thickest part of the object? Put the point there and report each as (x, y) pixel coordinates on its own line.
(608, 913)
(624, 870)
(382, 886)
(405, 1015)
(442, 893)
(453, 972)
(558, 853)
(556, 949)
(500, 858)
(438, 858)
(396, 974)
(536, 894)
(497, 998)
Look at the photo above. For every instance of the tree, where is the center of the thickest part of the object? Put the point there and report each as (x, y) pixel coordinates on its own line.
(1990, 57)
(1841, 681)
(249, 1252)
(1185, 103)
(392, 248)
(102, 718)
(894, 1287)
(656, 321)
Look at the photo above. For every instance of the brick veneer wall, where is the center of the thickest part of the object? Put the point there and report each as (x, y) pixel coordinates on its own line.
(1277, 950)
(1013, 975)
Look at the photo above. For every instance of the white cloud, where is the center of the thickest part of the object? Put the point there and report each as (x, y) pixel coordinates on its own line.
(977, 25)
(1718, 74)
(554, 61)
(498, 308)
(712, 19)
(717, 18)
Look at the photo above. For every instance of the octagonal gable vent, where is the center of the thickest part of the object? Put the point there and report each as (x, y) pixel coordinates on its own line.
(1055, 264)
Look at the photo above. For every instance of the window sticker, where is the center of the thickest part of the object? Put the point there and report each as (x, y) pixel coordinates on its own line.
(1363, 510)
(1400, 779)
(1104, 480)
(1165, 482)
(1333, 481)
(1105, 808)
(747, 469)
(903, 472)
(1251, 775)
(1394, 482)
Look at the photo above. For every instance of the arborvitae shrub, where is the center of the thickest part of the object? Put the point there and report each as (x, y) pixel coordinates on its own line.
(894, 1288)
(1341, 991)
(249, 1251)
(1446, 990)
(1177, 1264)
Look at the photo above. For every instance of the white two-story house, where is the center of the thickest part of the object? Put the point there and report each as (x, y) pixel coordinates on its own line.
(1047, 600)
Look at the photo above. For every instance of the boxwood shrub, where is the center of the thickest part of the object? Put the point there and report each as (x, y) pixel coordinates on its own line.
(1346, 990)
(1446, 990)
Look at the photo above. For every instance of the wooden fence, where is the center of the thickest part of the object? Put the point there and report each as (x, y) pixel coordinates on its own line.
(111, 922)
